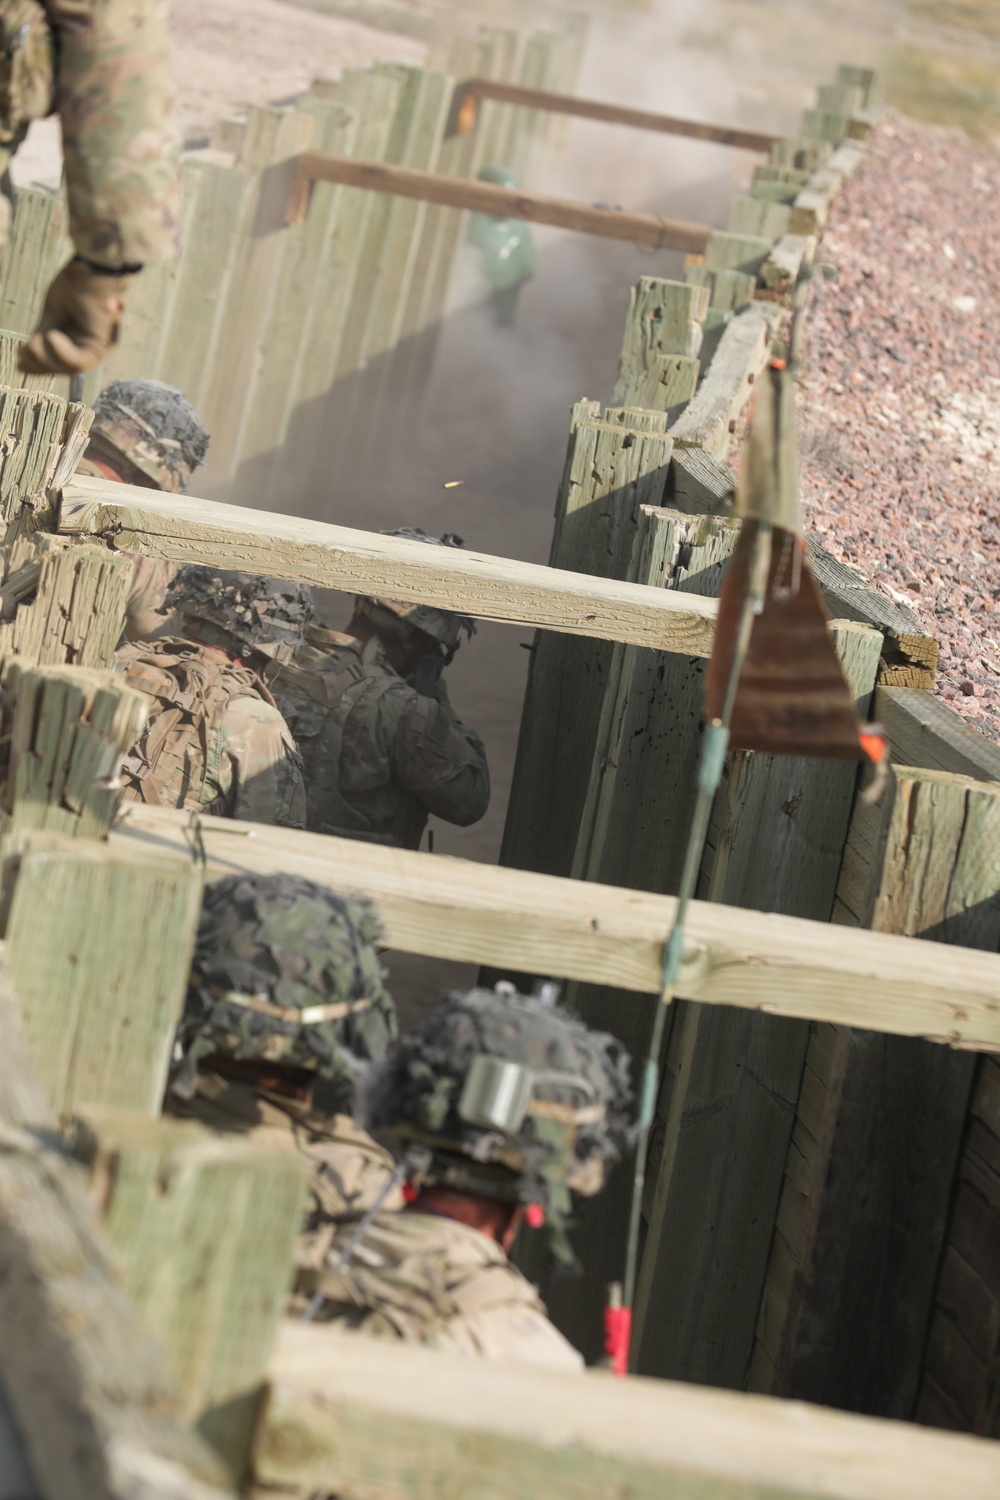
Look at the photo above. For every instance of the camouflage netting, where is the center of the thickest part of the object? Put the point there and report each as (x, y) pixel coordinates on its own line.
(578, 1121)
(254, 610)
(296, 952)
(140, 415)
(442, 625)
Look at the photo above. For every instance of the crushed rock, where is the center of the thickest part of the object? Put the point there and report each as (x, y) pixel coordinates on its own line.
(901, 408)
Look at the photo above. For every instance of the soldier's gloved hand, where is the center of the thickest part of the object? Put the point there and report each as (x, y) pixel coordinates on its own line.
(80, 320)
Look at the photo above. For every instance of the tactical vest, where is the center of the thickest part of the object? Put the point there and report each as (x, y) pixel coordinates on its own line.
(315, 693)
(178, 760)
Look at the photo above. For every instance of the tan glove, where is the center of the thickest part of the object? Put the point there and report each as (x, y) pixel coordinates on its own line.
(79, 323)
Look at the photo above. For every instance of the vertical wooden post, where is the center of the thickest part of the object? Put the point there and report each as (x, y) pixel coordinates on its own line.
(632, 832)
(63, 603)
(78, 1369)
(273, 140)
(662, 339)
(228, 1208)
(303, 283)
(731, 1079)
(960, 1378)
(68, 729)
(864, 1207)
(614, 466)
(99, 947)
(38, 246)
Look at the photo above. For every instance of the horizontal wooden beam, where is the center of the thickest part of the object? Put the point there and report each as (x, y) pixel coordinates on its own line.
(464, 114)
(486, 198)
(511, 919)
(364, 1416)
(188, 530)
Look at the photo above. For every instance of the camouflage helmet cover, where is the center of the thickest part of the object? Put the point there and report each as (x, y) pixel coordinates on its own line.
(442, 625)
(286, 971)
(255, 611)
(577, 1120)
(154, 426)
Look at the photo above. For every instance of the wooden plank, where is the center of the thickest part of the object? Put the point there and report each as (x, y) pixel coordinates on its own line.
(664, 318)
(473, 89)
(303, 283)
(611, 470)
(38, 246)
(802, 152)
(486, 198)
(755, 216)
(781, 271)
(910, 653)
(187, 529)
(732, 1078)
(452, 908)
(728, 290)
(362, 1416)
(699, 484)
(99, 944)
(149, 326)
(923, 731)
(192, 319)
(31, 431)
(64, 604)
(736, 252)
(859, 1315)
(68, 729)
(302, 464)
(398, 271)
(82, 1377)
(273, 139)
(710, 419)
(204, 1226)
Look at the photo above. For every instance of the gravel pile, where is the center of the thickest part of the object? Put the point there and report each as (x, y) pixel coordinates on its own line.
(901, 412)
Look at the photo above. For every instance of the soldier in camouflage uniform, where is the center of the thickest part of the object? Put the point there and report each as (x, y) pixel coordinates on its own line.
(286, 1005)
(505, 1104)
(147, 433)
(104, 67)
(381, 744)
(215, 741)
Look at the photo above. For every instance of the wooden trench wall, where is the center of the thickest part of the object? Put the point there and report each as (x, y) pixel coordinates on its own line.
(767, 1121)
(821, 1212)
(295, 340)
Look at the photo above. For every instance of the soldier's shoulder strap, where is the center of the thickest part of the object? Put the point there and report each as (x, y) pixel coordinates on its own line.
(326, 674)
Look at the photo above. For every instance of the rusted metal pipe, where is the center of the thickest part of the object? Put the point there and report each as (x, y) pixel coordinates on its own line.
(486, 198)
(465, 113)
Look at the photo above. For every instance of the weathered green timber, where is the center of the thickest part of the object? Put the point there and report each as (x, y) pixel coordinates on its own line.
(67, 729)
(864, 1208)
(99, 947)
(229, 1208)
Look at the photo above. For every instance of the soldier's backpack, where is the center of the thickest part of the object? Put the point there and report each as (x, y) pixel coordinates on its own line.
(178, 760)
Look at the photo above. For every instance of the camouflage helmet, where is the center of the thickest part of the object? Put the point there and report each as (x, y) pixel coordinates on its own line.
(286, 971)
(397, 615)
(153, 426)
(253, 611)
(511, 1096)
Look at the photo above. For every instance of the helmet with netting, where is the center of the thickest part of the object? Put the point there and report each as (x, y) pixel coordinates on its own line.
(511, 1096)
(286, 971)
(253, 611)
(399, 616)
(153, 426)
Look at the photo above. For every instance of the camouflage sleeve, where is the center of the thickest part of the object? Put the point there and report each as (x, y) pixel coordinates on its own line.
(267, 785)
(439, 760)
(115, 98)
